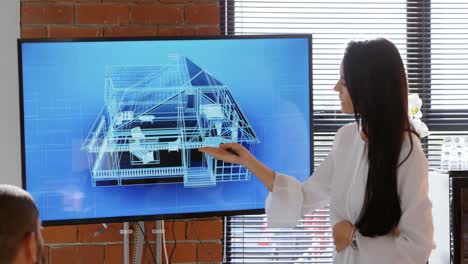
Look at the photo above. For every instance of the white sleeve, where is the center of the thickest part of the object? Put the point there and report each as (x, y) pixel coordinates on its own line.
(291, 199)
(414, 244)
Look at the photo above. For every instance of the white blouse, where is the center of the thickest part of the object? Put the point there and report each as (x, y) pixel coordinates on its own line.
(340, 181)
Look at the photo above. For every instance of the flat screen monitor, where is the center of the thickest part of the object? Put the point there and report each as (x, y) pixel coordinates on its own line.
(111, 127)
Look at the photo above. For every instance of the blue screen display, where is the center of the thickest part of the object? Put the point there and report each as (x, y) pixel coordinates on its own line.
(112, 128)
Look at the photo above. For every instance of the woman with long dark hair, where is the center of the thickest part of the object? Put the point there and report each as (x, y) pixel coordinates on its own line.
(376, 176)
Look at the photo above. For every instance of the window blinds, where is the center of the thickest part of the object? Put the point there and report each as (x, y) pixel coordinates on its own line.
(432, 37)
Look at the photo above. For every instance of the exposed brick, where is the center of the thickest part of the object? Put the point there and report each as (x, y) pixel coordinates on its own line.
(176, 31)
(46, 254)
(60, 234)
(188, 31)
(162, 1)
(33, 32)
(210, 252)
(205, 230)
(114, 254)
(206, 1)
(131, 31)
(178, 227)
(208, 31)
(147, 257)
(47, 14)
(73, 32)
(47, 1)
(77, 255)
(175, 1)
(202, 14)
(183, 252)
(118, 1)
(149, 226)
(157, 14)
(88, 233)
(179, 230)
(89, 1)
(103, 14)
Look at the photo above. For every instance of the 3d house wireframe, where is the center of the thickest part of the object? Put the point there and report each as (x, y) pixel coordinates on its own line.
(154, 120)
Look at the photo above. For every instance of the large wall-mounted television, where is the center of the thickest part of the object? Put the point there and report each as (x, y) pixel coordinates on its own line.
(111, 127)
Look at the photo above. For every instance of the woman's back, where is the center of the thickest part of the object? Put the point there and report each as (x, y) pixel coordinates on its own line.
(349, 178)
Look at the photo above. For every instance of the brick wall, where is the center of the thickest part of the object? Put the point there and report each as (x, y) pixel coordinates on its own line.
(196, 240)
(90, 18)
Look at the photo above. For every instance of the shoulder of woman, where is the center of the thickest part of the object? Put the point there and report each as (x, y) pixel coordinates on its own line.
(411, 149)
(345, 134)
(347, 130)
(410, 141)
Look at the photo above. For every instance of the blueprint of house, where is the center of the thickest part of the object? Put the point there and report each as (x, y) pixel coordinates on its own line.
(156, 114)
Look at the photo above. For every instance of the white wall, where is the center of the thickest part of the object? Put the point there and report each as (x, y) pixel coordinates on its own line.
(439, 194)
(10, 154)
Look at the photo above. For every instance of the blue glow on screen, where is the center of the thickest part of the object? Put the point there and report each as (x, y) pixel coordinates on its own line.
(64, 93)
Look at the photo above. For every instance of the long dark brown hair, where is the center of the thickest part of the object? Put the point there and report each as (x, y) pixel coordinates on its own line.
(375, 78)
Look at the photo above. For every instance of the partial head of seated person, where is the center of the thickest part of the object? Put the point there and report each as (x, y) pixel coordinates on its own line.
(20, 228)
